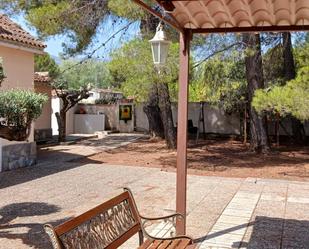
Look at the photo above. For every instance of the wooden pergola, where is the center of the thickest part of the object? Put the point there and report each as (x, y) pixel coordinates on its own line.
(218, 16)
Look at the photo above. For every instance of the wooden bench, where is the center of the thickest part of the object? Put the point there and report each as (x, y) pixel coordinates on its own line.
(111, 224)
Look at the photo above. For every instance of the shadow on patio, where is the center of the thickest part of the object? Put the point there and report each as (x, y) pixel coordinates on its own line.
(15, 225)
(18, 176)
(262, 233)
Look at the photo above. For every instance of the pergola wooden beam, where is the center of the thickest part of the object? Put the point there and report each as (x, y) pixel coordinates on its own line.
(157, 14)
(182, 129)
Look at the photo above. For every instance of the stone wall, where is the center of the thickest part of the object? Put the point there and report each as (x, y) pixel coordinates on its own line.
(18, 155)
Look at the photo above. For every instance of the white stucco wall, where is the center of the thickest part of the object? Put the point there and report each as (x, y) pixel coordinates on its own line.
(44, 121)
(111, 112)
(216, 121)
(55, 107)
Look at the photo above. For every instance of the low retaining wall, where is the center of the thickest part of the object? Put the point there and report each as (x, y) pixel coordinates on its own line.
(18, 155)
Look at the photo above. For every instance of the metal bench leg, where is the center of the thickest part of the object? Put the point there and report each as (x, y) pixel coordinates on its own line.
(141, 237)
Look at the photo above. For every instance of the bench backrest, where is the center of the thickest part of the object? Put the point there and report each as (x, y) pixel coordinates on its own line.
(108, 225)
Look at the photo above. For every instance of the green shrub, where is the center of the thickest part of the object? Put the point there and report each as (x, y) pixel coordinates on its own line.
(18, 108)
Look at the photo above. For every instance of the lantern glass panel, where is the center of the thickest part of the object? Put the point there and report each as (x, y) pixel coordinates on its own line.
(155, 52)
(163, 52)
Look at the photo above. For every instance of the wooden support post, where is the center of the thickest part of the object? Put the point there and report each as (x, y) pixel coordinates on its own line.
(182, 130)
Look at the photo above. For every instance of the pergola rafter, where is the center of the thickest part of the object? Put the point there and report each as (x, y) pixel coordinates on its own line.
(218, 16)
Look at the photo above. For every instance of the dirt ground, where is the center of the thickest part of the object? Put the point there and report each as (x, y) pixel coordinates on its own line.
(215, 158)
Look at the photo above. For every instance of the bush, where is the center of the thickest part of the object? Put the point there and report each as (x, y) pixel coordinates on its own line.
(290, 99)
(18, 108)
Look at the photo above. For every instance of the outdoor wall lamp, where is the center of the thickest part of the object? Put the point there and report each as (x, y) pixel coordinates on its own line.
(159, 46)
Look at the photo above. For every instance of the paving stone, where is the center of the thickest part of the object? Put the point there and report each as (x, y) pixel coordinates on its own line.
(237, 212)
(302, 200)
(233, 219)
(58, 191)
(230, 228)
(273, 196)
(226, 239)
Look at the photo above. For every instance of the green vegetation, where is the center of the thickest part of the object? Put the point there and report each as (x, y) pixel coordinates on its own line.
(90, 72)
(229, 71)
(44, 63)
(132, 71)
(287, 98)
(18, 108)
(290, 99)
(221, 82)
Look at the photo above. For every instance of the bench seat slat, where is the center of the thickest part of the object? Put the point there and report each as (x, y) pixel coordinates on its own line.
(165, 244)
(155, 244)
(146, 244)
(174, 244)
(184, 243)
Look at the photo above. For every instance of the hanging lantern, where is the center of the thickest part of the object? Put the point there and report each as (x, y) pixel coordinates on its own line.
(159, 46)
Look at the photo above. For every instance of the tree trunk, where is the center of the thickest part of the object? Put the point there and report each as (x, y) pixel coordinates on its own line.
(289, 74)
(152, 112)
(61, 120)
(167, 115)
(245, 124)
(255, 79)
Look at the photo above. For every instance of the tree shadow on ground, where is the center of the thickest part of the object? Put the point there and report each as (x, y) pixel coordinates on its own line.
(14, 223)
(268, 233)
(110, 141)
(22, 175)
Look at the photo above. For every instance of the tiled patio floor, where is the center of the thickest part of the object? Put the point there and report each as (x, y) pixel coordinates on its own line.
(222, 212)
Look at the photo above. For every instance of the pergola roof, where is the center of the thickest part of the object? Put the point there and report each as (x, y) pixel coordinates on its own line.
(213, 16)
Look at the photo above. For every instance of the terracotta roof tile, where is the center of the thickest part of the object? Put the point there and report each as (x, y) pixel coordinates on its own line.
(13, 33)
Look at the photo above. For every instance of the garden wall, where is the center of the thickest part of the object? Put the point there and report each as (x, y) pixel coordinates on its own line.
(111, 112)
(216, 120)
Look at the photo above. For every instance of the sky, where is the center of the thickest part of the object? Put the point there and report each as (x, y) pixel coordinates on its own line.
(54, 44)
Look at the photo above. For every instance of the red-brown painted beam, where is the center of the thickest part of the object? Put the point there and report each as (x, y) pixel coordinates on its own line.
(182, 130)
(157, 14)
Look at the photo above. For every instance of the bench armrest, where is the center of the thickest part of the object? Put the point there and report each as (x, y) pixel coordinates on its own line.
(168, 218)
(171, 218)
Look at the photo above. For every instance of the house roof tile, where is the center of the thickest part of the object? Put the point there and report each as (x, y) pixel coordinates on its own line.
(12, 33)
(41, 77)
